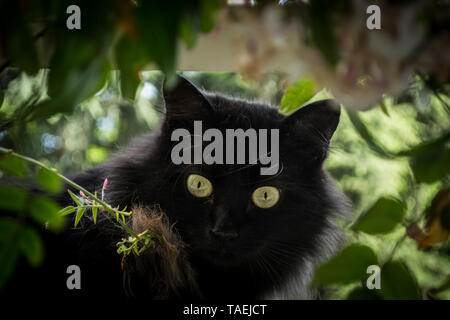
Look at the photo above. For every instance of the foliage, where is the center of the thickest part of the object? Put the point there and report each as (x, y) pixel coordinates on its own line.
(18, 237)
(71, 98)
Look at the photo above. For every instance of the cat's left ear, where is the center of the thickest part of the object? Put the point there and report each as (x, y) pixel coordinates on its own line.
(185, 101)
(319, 118)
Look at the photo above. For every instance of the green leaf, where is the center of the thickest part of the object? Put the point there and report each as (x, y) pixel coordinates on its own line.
(188, 32)
(296, 96)
(67, 210)
(31, 245)
(9, 253)
(362, 293)
(76, 73)
(382, 217)
(49, 180)
(46, 212)
(398, 283)
(318, 17)
(7, 228)
(13, 166)
(432, 165)
(158, 25)
(347, 266)
(94, 214)
(80, 213)
(12, 198)
(208, 11)
(78, 200)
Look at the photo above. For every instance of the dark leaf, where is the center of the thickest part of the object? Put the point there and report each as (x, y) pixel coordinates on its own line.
(9, 253)
(398, 283)
(31, 245)
(8, 227)
(46, 212)
(12, 198)
(347, 266)
(13, 166)
(49, 180)
(382, 217)
(433, 164)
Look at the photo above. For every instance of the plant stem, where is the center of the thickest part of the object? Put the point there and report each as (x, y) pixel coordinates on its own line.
(106, 206)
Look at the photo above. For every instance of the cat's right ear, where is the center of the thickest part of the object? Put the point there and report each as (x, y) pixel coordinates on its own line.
(185, 102)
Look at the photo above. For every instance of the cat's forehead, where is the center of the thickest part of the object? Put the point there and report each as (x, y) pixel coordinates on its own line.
(236, 113)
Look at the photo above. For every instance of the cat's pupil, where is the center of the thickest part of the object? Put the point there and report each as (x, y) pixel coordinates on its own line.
(265, 195)
(198, 185)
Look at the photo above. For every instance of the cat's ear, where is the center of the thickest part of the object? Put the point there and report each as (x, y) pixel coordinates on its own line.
(185, 101)
(319, 118)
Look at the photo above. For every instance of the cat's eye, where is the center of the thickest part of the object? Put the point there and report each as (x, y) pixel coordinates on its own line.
(266, 197)
(199, 186)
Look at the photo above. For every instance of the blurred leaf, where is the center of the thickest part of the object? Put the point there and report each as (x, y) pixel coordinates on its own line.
(433, 164)
(362, 293)
(7, 228)
(319, 19)
(46, 212)
(188, 32)
(130, 59)
(208, 10)
(384, 108)
(158, 26)
(369, 138)
(20, 46)
(96, 154)
(382, 217)
(80, 213)
(77, 71)
(31, 245)
(397, 283)
(12, 198)
(437, 215)
(9, 253)
(436, 143)
(296, 96)
(445, 285)
(49, 180)
(347, 266)
(13, 166)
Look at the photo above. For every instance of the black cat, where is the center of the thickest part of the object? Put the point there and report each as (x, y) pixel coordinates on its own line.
(220, 241)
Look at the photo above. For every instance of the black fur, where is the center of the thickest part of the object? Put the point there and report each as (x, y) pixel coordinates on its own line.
(276, 248)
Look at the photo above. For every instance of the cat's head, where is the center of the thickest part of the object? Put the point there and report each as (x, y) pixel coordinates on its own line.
(230, 214)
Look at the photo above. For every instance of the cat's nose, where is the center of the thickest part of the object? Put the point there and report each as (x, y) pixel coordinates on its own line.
(225, 235)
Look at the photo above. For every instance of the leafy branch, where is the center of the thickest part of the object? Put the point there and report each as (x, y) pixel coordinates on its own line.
(136, 243)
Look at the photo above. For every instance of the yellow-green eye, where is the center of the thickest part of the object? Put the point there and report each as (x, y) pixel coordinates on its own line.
(266, 197)
(198, 186)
